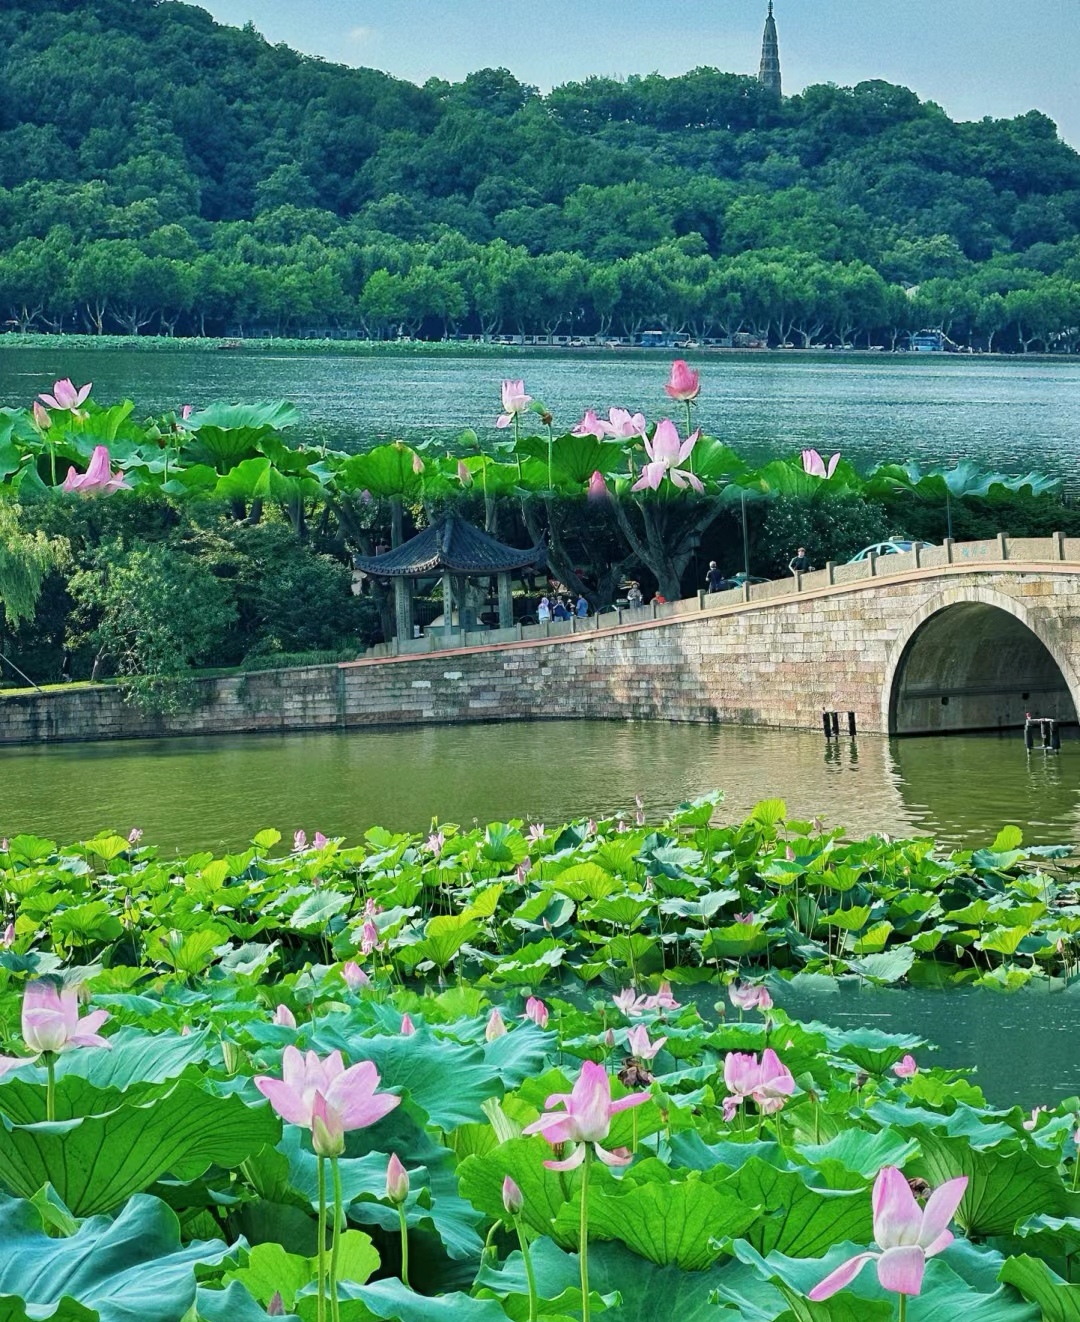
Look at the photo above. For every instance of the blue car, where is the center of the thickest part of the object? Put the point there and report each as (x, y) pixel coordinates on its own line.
(894, 546)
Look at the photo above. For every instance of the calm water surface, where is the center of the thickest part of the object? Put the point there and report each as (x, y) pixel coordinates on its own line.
(1012, 413)
(216, 792)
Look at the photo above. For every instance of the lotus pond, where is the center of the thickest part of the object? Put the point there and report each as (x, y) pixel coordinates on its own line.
(514, 1073)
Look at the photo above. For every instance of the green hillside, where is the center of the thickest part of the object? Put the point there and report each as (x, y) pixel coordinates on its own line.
(160, 172)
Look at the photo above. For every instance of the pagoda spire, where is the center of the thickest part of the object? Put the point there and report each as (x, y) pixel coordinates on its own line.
(769, 73)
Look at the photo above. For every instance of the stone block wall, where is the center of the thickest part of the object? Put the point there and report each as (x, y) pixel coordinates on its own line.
(775, 662)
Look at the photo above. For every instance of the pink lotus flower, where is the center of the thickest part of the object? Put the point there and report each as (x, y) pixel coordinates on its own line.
(514, 401)
(585, 1118)
(8, 939)
(1036, 1112)
(436, 842)
(366, 498)
(299, 841)
(417, 464)
(50, 1020)
(512, 1197)
(623, 424)
(747, 919)
(666, 452)
(905, 1068)
(320, 841)
(496, 1026)
(41, 417)
(408, 1028)
(66, 397)
(663, 1000)
(98, 477)
(637, 1039)
(369, 938)
(284, 1017)
(134, 835)
(750, 996)
(536, 833)
(767, 1082)
(463, 474)
(905, 1233)
(522, 870)
(185, 412)
(537, 1011)
(325, 1097)
(590, 828)
(685, 383)
(397, 1181)
(630, 1003)
(598, 488)
(354, 975)
(591, 425)
(813, 464)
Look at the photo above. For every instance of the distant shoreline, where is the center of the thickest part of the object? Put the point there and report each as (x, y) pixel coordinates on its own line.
(12, 341)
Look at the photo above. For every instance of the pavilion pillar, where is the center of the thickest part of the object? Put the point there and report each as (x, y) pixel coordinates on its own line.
(403, 608)
(506, 602)
(448, 606)
(461, 589)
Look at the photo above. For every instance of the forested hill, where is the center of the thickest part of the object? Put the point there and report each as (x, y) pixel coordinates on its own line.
(159, 171)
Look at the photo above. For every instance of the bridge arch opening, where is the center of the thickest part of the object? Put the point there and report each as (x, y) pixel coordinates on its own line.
(975, 666)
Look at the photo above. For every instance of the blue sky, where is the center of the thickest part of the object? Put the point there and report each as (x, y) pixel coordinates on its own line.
(974, 57)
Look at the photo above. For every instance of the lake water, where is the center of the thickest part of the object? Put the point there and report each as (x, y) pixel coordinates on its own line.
(1011, 413)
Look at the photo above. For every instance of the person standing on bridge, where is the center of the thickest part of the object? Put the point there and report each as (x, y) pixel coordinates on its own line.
(800, 563)
(715, 579)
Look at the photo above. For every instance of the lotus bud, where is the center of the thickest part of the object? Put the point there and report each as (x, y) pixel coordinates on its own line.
(408, 1028)
(320, 841)
(496, 1026)
(906, 1068)
(397, 1181)
(42, 420)
(354, 976)
(598, 489)
(609, 1038)
(369, 937)
(417, 464)
(185, 1031)
(8, 939)
(327, 1129)
(463, 474)
(537, 1011)
(284, 1017)
(231, 1055)
(513, 1198)
(276, 1306)
(366, 498)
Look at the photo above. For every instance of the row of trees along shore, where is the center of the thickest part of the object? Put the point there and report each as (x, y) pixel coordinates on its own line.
(144, 547)
(239, 187)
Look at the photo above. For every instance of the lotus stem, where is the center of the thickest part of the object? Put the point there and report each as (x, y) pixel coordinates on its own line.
(1076, 1173)
(583, 1237)
(902, 1315)
(404, 1247)
(488, 1243)
(321, 1303)
(50, 1086)
(634, 1141)
(530, 1275)
(339, 1217)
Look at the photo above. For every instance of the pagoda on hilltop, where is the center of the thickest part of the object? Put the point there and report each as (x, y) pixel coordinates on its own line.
(769, 73)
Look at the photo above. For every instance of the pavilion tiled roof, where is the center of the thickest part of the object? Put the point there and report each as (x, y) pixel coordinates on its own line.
(451, 546)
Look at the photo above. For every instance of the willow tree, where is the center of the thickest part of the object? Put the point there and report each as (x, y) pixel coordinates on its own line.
(25, 559)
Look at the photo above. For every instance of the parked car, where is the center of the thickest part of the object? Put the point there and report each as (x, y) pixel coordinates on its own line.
(894, 546)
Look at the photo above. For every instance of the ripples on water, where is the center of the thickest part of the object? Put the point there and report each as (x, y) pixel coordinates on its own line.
(1012, 413)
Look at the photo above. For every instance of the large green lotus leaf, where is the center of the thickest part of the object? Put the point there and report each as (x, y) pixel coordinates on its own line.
(947, 1295)
(675, 1223)
(271, 1270)
(434, 1204)
(860, 1153)
(480, 1180)
(489, 477)
(233, 1304)
(650, 1293)
(131, 1269)
(520, 1054)
(796, 1219)
(312, 914)
(870, 1048)
(23, 1097)
(136, 1057)
(223, 435)
(746, 1294)
(1050, 1236)
(97, 1162)
(1059, 1301)
(391, 1300)
(558, 1283)
(385, 471)
(1004, 1187)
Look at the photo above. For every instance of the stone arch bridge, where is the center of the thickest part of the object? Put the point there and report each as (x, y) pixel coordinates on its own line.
(965, 636)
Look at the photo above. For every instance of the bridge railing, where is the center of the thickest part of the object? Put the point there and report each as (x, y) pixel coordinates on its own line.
(996, 550)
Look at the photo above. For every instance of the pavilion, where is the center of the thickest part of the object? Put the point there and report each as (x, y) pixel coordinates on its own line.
(456, 551)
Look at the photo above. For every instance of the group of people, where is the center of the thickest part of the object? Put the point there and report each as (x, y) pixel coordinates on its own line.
(561, 609)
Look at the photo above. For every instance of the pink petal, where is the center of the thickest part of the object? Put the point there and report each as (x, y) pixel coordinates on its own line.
(12, 1063)
(91, 1022)
(843, 1276)
(286, 1102)
(898, 1219)
(503, 421)
(940, 1209)
(635, 1099)
(901, 1269)
(620, 1157)
(571, 1163)
(832, 465)
(51, 401)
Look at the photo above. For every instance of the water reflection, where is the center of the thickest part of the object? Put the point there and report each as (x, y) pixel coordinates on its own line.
(209, 792)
